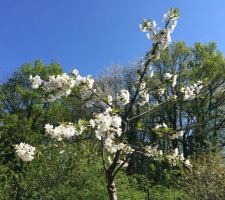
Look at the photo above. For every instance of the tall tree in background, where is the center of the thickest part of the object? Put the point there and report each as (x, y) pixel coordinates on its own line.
(202, 118)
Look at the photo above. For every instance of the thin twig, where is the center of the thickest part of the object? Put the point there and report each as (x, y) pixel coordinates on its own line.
(100, 98)
(147, 111)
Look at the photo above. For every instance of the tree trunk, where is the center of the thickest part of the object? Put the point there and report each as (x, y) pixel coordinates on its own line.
(111, 188)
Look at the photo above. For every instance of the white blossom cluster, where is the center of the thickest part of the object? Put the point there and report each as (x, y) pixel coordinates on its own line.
(112, 147)
(143, 94)
(148, 25)
(65, 130)
(56, 86)
(128, 149)
(36, 81)
(150, 72)
(124, 97)
(169, 76)
(176, 157)
(173, 158)
(153, 151)
(161, 91)
(61, 85)
(158, 36)
(143, 97)
(86, 82)
(170, 18)
(25, 151)
(190, 92)
(160, 126)
(109, 100)
(173, 97)
(107, 125)
(174, 80)
(177, 134)
(187, 163)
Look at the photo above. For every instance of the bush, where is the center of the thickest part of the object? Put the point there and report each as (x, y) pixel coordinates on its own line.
(206, 180)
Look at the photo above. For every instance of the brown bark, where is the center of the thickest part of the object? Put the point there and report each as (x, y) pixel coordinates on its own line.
(111, 188)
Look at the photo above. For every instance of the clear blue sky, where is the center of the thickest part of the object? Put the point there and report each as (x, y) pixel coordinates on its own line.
(92, 34)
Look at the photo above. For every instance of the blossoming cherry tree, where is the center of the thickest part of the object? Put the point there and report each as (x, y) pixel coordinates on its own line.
(112, 126)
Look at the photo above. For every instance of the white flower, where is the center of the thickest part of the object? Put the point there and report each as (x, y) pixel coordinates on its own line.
(168, 75)
(164, 125)
(61, 152)
(108, 128)
(148, 25)
(161, 37)
(89, 81)
(177, 135)
(110, 160)
(187, 163)
(143, 97)
(128, 149)
(110, 145)
(25, 151)
(124, 97)
(176, 152)
(143, 94)
(160, 152)
(109, 99)
(158, 126)
(49, 128)
(80, 128)
(180, 133)
(125, 165)
(148, 35)
(108, 110)
(35, 81)
(142, 85)
(107, 124)
(108, 142)
(61, 85)
(182, 157)
(92, 123)
(174, 80)
(66, 130)
(75, 72)
(173, 97)
(170, 15)
(151, 151)
(151, 74)
(190, 92)
(116, 121)
(161, 91)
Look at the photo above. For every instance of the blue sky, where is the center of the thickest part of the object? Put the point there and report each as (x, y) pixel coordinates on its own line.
(92, 34)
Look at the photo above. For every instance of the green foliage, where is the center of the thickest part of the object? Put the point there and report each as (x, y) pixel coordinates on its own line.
(76, 173)
(206, 180)
(160, 192)
(128, 188)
